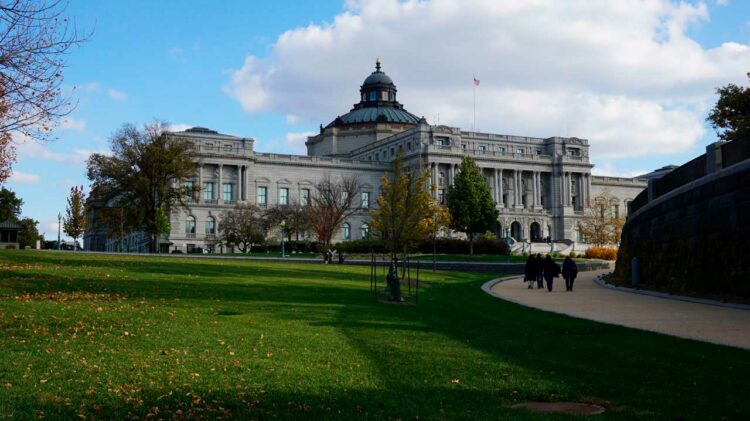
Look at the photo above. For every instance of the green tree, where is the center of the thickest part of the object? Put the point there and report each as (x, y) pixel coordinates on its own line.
(404, 207)
(470, 202)
(730, 117)
(10, 205)
(74, 223)
(142, 179)
(29, 233)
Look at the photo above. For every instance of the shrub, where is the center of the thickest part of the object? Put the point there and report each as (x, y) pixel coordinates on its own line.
(573, 255)
(604, 253)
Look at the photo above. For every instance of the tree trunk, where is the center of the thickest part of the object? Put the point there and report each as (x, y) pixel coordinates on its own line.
(471, 244)
(434, 249)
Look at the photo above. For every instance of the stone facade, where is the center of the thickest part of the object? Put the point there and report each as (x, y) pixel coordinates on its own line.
(541, 186)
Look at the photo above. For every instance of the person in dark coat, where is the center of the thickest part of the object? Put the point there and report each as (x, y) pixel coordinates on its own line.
(569, 273)
(539, 269)
(551, 271)
(530, 271)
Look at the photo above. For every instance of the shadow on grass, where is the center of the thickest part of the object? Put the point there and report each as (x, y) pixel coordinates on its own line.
(460, 354)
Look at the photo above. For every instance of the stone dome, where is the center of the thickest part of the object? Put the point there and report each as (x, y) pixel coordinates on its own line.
(377, 103)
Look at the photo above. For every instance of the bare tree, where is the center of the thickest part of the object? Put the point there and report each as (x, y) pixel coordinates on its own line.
(601, 223)
(294, 215)
(35, 36)
(243, 226)
(334, 201)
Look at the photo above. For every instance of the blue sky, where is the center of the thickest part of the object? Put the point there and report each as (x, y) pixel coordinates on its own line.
(275, 70)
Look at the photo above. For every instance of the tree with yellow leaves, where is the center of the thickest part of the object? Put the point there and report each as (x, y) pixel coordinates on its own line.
(405, 208)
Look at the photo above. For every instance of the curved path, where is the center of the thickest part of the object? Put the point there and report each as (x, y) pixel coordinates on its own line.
(704, 322)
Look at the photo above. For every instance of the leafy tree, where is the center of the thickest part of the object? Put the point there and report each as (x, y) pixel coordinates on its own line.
(294, 216)
(10, 205)
(242, 227)
(140, 182)
(404, 206)
(334, 201)
(470, 202)
(600, 225)
(29, 233)
(74, 223)
(730, 117)
(35, 36)
(439, 220)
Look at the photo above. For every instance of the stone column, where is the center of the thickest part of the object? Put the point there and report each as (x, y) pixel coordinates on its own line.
(500, 187)
(494, 186)
(220, 198)
(588, 190)
(200, 183)
(535, 188)
(433, 179)
(450, 174)
(240, 184)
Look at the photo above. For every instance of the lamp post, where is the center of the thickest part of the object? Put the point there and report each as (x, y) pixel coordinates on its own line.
(59, 222)
(283, 224)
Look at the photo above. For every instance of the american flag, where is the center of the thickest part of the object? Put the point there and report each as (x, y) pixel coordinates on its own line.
(476, 82)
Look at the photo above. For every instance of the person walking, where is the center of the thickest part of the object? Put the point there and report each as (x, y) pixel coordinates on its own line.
(569, 273)
(551, 271)
(530, 271)
(539, 269)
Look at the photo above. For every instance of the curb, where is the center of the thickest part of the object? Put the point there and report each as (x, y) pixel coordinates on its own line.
(602, 283)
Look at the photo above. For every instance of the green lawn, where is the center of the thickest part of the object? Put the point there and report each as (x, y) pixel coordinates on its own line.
(119, 337)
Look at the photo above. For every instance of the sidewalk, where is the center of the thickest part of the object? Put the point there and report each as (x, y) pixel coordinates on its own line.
(703, 322)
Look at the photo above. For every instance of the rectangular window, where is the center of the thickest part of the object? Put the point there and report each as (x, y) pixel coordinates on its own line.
(228, 192)
(482, 148)
(501, 149)
(188, 185)
(304, 197)
(373, 95)
(463, 146)
(365, 200)
(209, 146)
(377, 156)
(519, 151)
(538, 151)
(208, 191)
(227, 147)
(284, 196)
(262, 193)
(393, 152)
(441, 178)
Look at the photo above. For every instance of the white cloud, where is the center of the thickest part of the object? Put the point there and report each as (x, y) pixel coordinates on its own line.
(117, 95)
(178, 127)
(90, 87)
(19, 177)
(292, 119)
(32, 149)
(295, 142)
(607, 169)
(73, 124)
(624, 74)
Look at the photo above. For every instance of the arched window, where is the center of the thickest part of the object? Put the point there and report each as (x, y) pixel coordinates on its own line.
(190, 225)
(364, 231)
(347, 231)
(211, 225)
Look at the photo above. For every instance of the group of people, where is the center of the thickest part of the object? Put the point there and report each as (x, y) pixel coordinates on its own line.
(328, 256)
(540, 270)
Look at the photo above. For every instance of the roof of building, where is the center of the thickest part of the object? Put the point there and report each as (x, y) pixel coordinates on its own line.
(10, 225)
(376, 114)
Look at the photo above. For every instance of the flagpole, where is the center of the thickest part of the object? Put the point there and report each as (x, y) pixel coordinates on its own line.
(474, 84)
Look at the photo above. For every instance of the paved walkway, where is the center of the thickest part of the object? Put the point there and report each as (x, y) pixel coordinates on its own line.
(710, 323)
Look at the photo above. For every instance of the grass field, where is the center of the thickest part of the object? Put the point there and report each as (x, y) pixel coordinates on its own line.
(95, 336)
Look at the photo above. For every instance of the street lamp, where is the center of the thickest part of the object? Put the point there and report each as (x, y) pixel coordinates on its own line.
(59, 222)
(283, 224)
